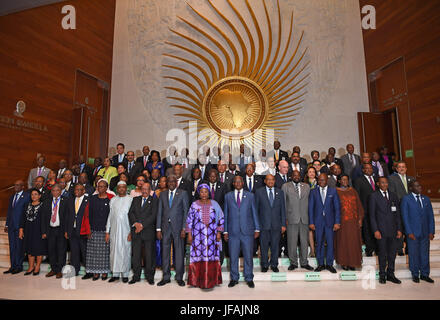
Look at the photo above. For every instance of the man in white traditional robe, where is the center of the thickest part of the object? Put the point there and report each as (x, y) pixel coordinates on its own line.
(118, 233)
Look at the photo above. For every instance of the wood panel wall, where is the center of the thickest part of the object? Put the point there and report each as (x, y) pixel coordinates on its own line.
(38, 62)
(411, 29)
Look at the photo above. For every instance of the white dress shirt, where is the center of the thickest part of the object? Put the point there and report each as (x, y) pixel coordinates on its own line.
(252, 178)
(80, 200)
(299, 188)
(296, 167)
(57, 221)
(420, 197)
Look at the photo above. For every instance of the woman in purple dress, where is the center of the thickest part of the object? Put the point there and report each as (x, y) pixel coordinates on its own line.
(204, 227)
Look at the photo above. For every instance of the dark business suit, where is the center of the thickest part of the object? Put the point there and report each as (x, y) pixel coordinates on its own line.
(324, 216)
(228, 178)
(185, 185)
(256, 184)
(385, 218)
(282, 155)
(134, 171)
(87, 170)
(143, 164)
(13, 219)
(115, 160)
(77, 242)
(302, 171)
(357, 172)
(205, 172)
(348, 165)
(272, 216)
(56, 242)
(171, 221)
(419, 221)
(364, 190)
(279, 181)
(241, 224)
(244, 161)
(145, 214)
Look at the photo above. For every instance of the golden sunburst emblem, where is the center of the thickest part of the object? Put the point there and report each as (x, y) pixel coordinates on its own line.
(249, 95)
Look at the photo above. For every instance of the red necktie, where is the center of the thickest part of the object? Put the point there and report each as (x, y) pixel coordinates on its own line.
(212, 192)
(372, 183)
(54, 212)
(145, 162)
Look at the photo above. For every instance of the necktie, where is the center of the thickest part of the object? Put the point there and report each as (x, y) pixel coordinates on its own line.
(419, 201)
(372, 183)
(351, 158)
(129, 167)
(405, 184)
(212, 191)
(39, 171)
(386, 196)
(222, 177)
(144, 201)
(195, 185)
(76, 205)
(54, 211)
(170, 201)
(276, 155)
(96, 171)
(297, 188)
(145, 161)
(203, 172)
(15, 200)
(250, 184)
(238, 199)
(154, 185)
(271, 197)
(284, 178)
(322, 195)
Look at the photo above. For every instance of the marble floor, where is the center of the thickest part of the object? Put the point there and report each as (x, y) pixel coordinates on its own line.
(38, 287)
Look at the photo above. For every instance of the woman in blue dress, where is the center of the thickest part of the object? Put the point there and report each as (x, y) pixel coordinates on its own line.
(155, 163)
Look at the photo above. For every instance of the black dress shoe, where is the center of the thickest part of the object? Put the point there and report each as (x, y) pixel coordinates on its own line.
(124, 280)
(400, 253)
(36, 273)
(250, 284)
(113, 279)
(132, 281)
(163, 282)
(8, 271)
(331, 269)
(307, 267)
(15, 271)
(87, 276)
(416, 279)
(232, 283)
(352, 268)
(427, 279)
(264, 269)
(28, 273)
(393, 279)
(181, 283)
(344, 268)
(382, 280)
(150, 281)
(293, 267)
(320, 268)
(275, 269)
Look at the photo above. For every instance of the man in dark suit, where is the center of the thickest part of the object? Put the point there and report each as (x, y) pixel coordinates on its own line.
(252, 182)
(155, 177)
(170, 224)
(142, 217)
(97, 165)
(203, 166)
(120, 156)
(83, 180)
(70, 186)
(295, 164)
(384, 211)
(335, 173)
(17, 205)
(39, 185)
(241, 228)
(324, 219)
(271, 209)
(365, 185)
(134, 168)
(278, 154)
(418, 218)
(53, 222)
(398, 183)
(350, 160)
(302, 160)
(145, 158)
(182, 184)
(75, 230)
(336, 160)
(84, 167)
(196, 180)
(246, 157)
(282, 176)
(357, 171)
(224, 176)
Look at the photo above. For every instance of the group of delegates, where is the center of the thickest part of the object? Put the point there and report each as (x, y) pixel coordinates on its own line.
(125, 213)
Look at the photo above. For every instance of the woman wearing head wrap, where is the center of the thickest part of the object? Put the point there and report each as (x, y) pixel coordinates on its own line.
(204, 227)
(98, 251)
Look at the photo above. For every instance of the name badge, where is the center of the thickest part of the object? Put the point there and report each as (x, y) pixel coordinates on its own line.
(393, 208)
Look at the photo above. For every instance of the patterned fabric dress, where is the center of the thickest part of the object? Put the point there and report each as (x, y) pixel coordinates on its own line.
(204, 221)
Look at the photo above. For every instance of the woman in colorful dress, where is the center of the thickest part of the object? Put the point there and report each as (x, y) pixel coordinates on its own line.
(204, 227)
(107, 171)
(348, 239)
(51, 180)
(98, 251)
(311, 179)
(124, 177)
(30, 229)
(136, 192)
(155, 163)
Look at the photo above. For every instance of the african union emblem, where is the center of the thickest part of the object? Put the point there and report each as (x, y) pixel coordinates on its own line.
(260, 89)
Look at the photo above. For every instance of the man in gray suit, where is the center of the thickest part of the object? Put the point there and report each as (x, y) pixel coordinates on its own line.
(170, 224)
(296, 196)
(350, 160)
(398, 183)
(40, 170)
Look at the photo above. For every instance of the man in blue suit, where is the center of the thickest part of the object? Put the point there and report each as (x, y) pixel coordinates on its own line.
(17, 205)
(271, 208)
(241, 227)
(418, 219)
(324, 219)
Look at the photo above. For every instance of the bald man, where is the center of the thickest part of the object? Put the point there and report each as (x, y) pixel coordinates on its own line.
(17, 204)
